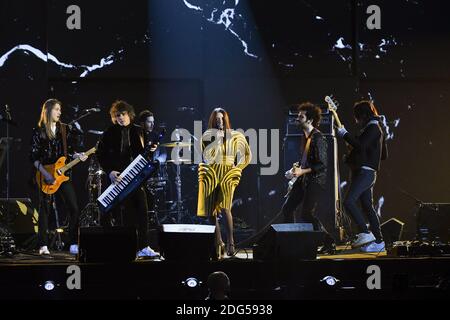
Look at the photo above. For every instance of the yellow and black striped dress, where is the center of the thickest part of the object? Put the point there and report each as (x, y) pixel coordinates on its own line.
(220, 173)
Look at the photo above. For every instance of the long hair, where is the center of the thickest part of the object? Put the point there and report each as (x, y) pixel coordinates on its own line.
(121, 106)
(364, 110)
(212, 119)
(46, 116)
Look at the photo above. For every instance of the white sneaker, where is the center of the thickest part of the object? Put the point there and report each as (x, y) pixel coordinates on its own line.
(362, 239)
(43, 250)
(73, 249)
(147, 252)
(373, 247)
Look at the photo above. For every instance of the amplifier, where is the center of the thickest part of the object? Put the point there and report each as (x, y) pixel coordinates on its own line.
(433, 222)
(326, 124)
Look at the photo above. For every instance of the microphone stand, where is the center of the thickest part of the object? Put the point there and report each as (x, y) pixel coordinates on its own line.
(8, 120)
(70, 124)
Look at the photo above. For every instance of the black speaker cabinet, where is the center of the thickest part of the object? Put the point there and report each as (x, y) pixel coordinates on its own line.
(187, 242)
(107, 244)
(288, 241)
(433, 222)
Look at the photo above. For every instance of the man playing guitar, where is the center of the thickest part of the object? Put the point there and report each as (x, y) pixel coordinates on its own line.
(310, 172)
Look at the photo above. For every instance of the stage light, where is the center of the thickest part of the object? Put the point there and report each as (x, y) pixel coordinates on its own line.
(330, 280)
(191, 282)
(49, 285)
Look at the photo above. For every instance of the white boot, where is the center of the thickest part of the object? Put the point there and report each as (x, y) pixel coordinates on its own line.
(43, 250)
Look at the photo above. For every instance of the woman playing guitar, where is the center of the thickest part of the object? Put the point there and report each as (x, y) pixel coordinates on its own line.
(50, 141)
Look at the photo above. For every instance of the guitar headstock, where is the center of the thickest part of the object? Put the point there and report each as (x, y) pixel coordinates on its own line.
(332, 103)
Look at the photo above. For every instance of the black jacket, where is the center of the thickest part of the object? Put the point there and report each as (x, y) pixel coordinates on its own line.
(47, 151)
(317, 158)
(368, 148)
(109, 150)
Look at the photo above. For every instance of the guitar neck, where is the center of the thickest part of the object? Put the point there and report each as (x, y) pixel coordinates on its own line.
(336, 118)
(74, 162)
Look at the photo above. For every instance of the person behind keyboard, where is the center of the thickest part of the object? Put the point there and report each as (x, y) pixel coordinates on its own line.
(119, 145)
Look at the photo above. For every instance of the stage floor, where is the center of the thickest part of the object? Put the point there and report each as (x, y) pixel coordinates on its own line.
(23, 276)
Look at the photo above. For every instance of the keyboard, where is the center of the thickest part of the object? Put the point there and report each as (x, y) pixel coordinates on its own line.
(133, 176)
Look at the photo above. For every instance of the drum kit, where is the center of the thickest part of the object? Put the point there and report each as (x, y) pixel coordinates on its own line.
(162, 187)
(161, 190)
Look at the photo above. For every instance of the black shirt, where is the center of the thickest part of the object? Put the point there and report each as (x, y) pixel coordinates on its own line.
(367, 148)
(118, 146)
(317, 157)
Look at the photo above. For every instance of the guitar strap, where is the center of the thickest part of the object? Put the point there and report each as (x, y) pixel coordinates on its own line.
(306, 150)
(64, 138)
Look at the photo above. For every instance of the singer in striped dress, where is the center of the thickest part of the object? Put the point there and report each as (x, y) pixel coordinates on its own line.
(225, 154)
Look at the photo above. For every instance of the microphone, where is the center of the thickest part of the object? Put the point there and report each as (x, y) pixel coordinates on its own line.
(92, 110)
(8, 118)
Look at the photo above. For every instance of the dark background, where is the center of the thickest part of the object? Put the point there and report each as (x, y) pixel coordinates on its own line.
(165, 55)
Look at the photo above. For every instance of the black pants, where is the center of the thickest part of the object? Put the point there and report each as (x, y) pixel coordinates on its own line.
(361, 190)
(68, 196)
(310, 195)
(133, 212)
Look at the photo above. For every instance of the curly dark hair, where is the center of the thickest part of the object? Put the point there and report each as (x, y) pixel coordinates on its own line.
(312, 112)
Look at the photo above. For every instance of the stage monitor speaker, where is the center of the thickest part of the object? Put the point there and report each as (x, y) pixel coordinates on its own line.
(187, 242)
(433, 222)
(288, 241)
(20, 218)
(107, 244)
(392, 230)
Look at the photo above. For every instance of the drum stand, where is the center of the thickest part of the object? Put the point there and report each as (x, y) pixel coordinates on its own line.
(181, 212)
(90, 215)
(57, 237)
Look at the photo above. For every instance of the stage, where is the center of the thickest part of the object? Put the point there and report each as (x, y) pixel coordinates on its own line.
(23, 276)
(251, 117)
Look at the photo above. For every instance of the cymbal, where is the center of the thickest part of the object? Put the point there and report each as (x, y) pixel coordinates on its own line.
(176, 144)
(180, 160)
(96, 132)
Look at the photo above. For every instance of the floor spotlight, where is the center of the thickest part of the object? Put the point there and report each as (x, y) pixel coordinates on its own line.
(191, 282)
(330, 280)
(49, 285)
